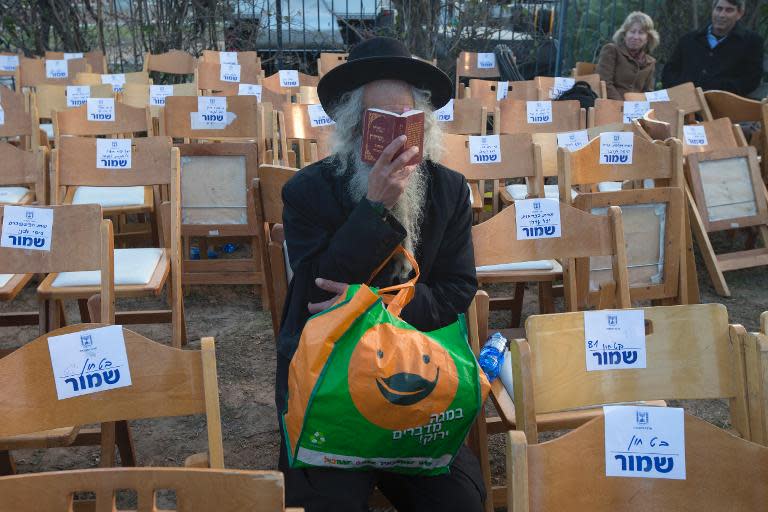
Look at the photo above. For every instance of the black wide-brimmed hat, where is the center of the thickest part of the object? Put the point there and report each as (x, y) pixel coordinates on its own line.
(382, 58)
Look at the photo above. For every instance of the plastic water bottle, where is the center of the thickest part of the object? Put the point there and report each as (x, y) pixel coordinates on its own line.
(492, 355)
(212, 254)
(229, 248)
(194, 253)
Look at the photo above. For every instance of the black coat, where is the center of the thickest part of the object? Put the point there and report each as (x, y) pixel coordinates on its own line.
(332, 237)
(735, 65)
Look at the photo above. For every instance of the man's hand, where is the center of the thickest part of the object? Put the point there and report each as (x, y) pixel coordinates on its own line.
(389, 177)
(329, 286)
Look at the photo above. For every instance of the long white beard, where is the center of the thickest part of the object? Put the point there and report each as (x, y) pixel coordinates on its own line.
(408, 211)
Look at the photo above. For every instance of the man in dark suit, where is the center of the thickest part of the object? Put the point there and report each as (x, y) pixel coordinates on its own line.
(723, 55)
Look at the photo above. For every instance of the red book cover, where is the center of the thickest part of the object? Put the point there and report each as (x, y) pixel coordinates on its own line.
(381, 127)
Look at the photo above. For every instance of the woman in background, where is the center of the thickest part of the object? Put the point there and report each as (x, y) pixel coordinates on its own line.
(626, 64)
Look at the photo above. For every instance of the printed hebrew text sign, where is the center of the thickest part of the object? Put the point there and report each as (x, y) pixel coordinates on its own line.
(614, 339)
(616, 148)
(158, 93)
(537, 218)
(484, 149)
(77, 95)
(445, 114)
(100, 109)
(113, 153)
(27, 228)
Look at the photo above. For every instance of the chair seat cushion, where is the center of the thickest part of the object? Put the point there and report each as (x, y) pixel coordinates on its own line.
(109, 197)
(12, 194)
(521, 265)
(132, 267)
(519, 191)
(4, 278)
(609, 186)
(48, 129)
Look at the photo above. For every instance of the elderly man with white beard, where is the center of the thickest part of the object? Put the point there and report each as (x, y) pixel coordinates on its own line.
(343, 218)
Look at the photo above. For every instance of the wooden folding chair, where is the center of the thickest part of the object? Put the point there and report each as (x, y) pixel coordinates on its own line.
(272, 83)
(687, 97)
(470, 117)
(19, 120)
(138, 77)
(720, 134)
(208, 77)
(165, 382)
(302, 143)
(267, 197)
(486, 92)
(193, 490)
(48, 98)
(611, 112)
(511, 116)
(466, 67)
(727, 192)
(95, 59)
(546, 85)
(328, 61)
(139, 96)
(138, 271)
(31, 72)
(81, 241)
(128, 122)
(756, 362)
(584, 68)
(23, 175)
(247, 58)
(172, 62)
(722, 472)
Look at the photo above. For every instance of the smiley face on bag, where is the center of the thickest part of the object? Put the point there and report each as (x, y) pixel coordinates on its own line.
(399, 377)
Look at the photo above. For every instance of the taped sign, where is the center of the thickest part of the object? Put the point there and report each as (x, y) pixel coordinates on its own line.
(614, 339)
(539, 112)
(634, 109)
(616, 148)
(486, 61)
(77, 95)
(70, 56)
(27, 228)
(661, 95)
(56, 69)
(537, 218)
(501, 90)
(249, 90)
(117, 81)
(211, 113)
(113, 153)
(289, 78)
(484, 149)
(89, 361)
(562, 84)
(9, 62)
(100, 109)
(644, 442)
(573, 141)
(2, 116)
(318, 117)
(158, 93)
(229, 72)
(227, 58)
(445, 114)
(695, 135)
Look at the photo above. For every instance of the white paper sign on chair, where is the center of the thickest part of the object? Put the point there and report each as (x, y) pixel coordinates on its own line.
(539, 112)
(74, 55)
(56, 69)
(113, 153)
(445, 113)
(158, 93)
(695, 135)
(573, 141)
(484, 149)
(100, 109)
(634, 109)
(661, 95)
(89, 361)
(501, 90)
(250, 90)
(289, 78)
(2, 116)
(562, 84)
(486, 61)
(9, 62)
(77, 95)
(537, 218)
(228, 58)
(644, 442)
(117, 81)
(229, 72)
(27, 228)
(211, 113)
(614, 339)
(616, 148)
(318, 117)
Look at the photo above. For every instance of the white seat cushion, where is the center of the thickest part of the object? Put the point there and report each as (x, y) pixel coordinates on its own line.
(521, 265)
(109, 197)
(132, 267)
(12, 194)
(519, 191)
(609, 186)
(48, 129)
(4, 278)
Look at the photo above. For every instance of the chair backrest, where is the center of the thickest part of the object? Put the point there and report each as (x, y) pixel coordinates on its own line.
(722, 472)
(546, 85)
(735, 107)
(650, 160)
(688, 97)
(691, 353)
(612, 111)
(272, 83)
(127, 121)
(17, 120)
(513, 117)
(138, 77)
(328, 61)
(50, 98)
(486, 91)
(209, 77)
(25, 168)
(466, 65)
(314, 141)
(195, 489)
(32, 72)
(584, 68)
(80, 241)
(172, 62)
(139, 95)
(248, 58)
(470, 117)
(583, 235)
(95, 59)
(176, 118)
(720, 134)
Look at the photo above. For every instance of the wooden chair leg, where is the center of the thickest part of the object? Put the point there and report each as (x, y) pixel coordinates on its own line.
(107, 445)
(85, 316)
(7, 464)
(124, 442)
(517, 305)
(707, 251)
(546, 298)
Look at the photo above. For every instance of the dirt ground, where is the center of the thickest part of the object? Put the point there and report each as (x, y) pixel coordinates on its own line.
(246, 365)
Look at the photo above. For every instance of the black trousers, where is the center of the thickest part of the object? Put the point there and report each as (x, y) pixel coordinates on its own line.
(338, 490)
